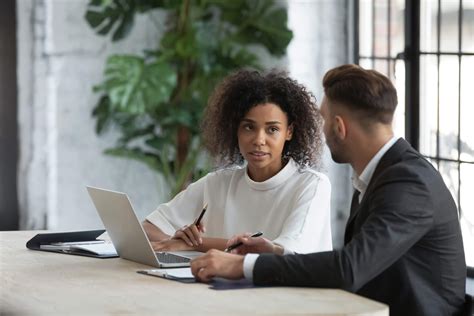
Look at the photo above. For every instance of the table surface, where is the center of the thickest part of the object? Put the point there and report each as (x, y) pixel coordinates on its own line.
(43, 283)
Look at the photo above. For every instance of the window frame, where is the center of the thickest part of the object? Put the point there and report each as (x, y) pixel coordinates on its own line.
(411, 56)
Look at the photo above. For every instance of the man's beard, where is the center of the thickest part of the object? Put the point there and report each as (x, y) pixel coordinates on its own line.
(337, 151)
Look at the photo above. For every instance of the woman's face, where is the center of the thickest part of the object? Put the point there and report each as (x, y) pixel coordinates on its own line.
(262, 135)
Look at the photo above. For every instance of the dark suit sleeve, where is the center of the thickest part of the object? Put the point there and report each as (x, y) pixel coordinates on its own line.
(400, 213)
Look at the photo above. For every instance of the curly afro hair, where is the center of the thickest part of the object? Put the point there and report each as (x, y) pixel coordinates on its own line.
(244, 89)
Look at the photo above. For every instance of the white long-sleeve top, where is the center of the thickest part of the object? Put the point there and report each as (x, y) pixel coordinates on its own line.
(292, 208)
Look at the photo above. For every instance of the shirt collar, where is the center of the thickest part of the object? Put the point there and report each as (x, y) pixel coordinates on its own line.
(281, 177)
(361, 182)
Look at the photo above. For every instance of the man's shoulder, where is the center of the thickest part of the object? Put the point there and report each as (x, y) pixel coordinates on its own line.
(410, 179)
(408, 163)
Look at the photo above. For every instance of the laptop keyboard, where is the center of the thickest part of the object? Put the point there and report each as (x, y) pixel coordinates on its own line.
(165, 257)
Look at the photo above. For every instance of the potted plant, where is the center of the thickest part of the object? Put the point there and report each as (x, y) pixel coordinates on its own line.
(156, 99)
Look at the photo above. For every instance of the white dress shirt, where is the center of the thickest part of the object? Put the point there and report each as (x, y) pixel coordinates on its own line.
(361, 182)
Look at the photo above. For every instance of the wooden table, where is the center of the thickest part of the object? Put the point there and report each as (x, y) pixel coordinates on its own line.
(42, 283)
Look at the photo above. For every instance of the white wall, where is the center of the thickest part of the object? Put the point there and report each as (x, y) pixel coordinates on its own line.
(60, 58)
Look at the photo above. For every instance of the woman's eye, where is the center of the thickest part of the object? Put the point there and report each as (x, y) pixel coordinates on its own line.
(273, 129)
(247, 127)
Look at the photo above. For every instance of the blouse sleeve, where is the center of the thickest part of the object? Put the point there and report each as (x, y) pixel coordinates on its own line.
(181, 210)
(308, 227)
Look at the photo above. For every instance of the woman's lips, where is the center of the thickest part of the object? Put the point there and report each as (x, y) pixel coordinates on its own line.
(258, 154)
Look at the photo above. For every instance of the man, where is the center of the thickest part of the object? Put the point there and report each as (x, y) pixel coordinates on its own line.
(403, 244)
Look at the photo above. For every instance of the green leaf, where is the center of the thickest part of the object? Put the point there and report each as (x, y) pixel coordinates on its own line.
(271, 31)
(134, 86)
(224, 4)
(186, 45)
(102, 113)
(103, 16)
(100, 2)
(157, 142)
(131, 132)
(95, 18)
(178, 116)
(151, 160)
(147, 5)
(124, 27)
(260, 22)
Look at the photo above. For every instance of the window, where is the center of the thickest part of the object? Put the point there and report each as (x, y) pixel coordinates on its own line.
(427, 48)
(380, 46)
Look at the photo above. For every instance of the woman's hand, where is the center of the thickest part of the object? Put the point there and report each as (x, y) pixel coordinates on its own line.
(217, 263)
(190, 234)
(170, 245)
(253, 245)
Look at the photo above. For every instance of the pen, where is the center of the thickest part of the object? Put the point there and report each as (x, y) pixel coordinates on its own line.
(238, 244)
(198, 220)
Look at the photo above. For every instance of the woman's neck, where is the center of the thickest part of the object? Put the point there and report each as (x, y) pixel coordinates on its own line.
(263, 174)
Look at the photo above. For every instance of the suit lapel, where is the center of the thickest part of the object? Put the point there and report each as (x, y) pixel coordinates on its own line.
(392, 155)
(354, 210)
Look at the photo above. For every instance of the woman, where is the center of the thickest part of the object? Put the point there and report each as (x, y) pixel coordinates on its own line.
(266, 132)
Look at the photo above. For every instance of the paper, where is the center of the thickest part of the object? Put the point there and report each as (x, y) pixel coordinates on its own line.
(179, 273)
(68, 245)
(104, 249)
(101, 248)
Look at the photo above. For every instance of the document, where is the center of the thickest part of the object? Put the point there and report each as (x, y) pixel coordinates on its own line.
(178, 274)
(184, 275)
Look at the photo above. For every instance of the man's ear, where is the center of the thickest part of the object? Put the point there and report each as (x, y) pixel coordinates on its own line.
(340, 128)
(289, 132)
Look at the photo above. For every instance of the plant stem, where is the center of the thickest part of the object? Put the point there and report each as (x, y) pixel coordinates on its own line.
(183, 133)
(183, 17)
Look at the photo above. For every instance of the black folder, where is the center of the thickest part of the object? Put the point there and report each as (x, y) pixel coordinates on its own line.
(78, 236)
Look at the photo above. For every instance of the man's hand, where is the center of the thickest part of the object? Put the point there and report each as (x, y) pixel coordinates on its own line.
(216, 263)
(190, 234)
(253, 245)
(170, 245)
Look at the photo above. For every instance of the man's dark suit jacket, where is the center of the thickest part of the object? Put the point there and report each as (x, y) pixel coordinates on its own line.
(403, 243)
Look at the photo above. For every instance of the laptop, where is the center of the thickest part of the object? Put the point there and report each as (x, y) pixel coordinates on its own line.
(127, 234)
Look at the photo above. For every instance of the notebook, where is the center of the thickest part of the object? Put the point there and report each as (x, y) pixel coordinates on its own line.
(62, 242)
(127, 234)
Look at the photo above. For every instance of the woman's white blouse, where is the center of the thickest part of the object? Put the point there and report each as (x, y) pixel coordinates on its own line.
(292, 208)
